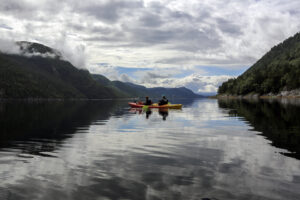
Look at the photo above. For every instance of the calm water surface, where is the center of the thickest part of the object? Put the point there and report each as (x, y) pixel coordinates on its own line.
(209, 150)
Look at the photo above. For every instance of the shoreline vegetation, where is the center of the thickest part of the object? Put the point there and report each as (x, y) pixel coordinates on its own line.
(282, 99)
(275, 75)
(293, 94)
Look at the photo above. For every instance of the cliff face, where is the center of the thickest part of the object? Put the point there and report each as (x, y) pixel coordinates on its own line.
(277, 72)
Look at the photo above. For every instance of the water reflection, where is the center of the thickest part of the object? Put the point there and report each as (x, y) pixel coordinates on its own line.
(164, 112)
(148, 113)
(42, 125)
(104, 150)
(277, 120)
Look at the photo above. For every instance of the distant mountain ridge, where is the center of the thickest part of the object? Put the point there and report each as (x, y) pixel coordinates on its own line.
(38, 71)
(276, 72)
(142, 91)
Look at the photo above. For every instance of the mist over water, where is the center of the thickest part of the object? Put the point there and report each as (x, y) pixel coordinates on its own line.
(104, 150)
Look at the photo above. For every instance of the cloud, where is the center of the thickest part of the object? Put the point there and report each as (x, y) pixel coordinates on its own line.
(228, 27)
(74, 53)
(151, 20)
(197, 83)
(198, 80)
(111, 72)
(151, 76)
(108, 11)
(9, 47)
(126, 78)
(4, 26)
(32, 10)
(166, 35)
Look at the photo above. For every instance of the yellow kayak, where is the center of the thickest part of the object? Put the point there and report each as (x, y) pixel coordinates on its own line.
(155, 105)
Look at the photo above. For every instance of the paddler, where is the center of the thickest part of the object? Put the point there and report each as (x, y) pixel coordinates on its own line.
(148, 101)
(163, 101)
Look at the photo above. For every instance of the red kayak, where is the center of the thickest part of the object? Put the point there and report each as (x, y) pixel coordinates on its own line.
(155, 105)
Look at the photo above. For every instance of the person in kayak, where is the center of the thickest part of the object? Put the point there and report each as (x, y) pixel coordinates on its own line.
(163, 101)
(148, 101)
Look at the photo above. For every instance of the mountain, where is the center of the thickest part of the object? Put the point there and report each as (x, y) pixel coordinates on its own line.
(278, 70)
(134, 90)
(181, 92)
(31, 48)
(39, 71)
(33, 74)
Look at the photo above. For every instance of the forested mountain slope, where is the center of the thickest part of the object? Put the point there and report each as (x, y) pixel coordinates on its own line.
(38, 71)
(278, 70)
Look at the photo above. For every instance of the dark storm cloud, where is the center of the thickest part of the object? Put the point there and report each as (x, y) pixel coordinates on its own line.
(109, 11)
(185, 39)
(154, 75)
(128, 22)
(156, 7)
(4, 26)
(14, 6)
(179, 60)
(196, 40)
(175, 60)
(228, 27)
(151, 20)
(91, 28)
(150, 37)
(153, 78)
(181, 15)
(154, 25)
(33, 10)
(112, 39)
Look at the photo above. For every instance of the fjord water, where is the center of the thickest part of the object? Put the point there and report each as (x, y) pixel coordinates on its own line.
(104, 150)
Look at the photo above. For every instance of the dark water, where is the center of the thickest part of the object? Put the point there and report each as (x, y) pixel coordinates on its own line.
(103, 150)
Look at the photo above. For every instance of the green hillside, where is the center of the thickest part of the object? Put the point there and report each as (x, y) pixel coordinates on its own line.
(278, 70)
(38, 77)
(39, 72)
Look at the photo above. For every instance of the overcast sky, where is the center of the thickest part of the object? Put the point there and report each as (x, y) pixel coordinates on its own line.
(171, 43)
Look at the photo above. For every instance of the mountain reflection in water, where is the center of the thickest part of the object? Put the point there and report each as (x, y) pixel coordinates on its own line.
(277, 120)
(209, 150)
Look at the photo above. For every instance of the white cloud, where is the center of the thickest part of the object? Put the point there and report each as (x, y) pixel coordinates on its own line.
(152, 33)
(71, 51)
(126, 78)
(197, 83)
(164, 34)
(109, 71)
(9, 47)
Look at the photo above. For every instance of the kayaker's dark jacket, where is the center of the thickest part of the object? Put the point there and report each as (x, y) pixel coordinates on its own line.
(148, 102)
(164, 101)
